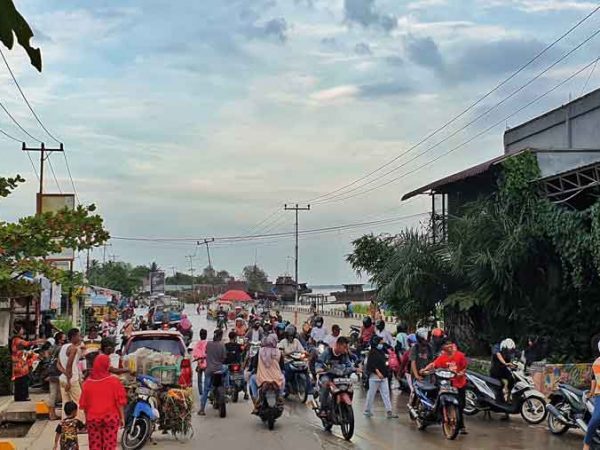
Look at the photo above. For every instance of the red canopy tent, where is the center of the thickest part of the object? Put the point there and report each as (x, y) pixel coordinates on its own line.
(236, 296)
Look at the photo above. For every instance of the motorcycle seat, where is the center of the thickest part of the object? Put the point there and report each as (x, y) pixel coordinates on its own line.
(577, 392)
(488, 380)
(425, 386)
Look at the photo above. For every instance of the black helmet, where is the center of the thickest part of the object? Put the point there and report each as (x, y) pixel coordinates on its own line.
(290, 331)
(401, 327)
(380, 325)
(367, 321)
(318, 321)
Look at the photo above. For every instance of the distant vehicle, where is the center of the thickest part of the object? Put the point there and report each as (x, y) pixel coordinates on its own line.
(164, 342)
(173, 315)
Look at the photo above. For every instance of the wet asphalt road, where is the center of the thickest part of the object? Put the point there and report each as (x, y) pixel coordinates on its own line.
(299, 428)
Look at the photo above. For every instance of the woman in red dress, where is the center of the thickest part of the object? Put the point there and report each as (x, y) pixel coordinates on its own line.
(103, 398)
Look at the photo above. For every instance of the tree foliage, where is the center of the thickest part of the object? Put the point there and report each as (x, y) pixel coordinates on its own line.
(256, 278)
(118, 275)
(25, 244)
(12, 24)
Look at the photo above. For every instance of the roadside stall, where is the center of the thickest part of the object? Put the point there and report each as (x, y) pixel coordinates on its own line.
(238, 302)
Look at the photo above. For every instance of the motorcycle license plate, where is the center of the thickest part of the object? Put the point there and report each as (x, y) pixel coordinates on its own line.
(449, 390)
(144, 391)
(342, 381)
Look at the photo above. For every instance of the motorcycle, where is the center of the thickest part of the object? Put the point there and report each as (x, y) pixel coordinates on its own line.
(570, 408)
(141, 414)
(237, 383)
(271, 404)
(437, 404)
(217, 394)
(299, 379)
(39, 363)
(339, 411)
(487, 394)
(222, 323)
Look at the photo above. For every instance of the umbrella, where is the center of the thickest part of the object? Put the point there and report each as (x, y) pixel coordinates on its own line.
(236, 296)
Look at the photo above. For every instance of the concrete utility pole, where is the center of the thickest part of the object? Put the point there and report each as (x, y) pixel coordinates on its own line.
(206, 242)
(296, 208)
(104, 253)
(44, 154)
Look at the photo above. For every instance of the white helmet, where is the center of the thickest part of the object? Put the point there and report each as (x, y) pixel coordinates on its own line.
(422, 334)
(507, 344)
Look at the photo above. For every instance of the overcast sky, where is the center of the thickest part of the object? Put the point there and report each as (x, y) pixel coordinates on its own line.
(202, 118)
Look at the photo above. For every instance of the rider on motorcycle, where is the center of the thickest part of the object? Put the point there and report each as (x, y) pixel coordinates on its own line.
(384, 334)
(185, 327)
(339, 356)
(256, 333)
(266, 366)
(240, 327)
(233, 349)
(221, 317)
(290, 344)
(437, 341)
(366, 332)
(318, 333)
(421, 355)
(502, 357)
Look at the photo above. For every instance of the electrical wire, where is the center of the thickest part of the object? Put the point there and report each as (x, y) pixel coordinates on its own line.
(25, 98)
(33, 166)
(467, 125)
(18, 124)
(71, 177)
(462, 113)
(485, 131)
(588, 79)
(54, 174)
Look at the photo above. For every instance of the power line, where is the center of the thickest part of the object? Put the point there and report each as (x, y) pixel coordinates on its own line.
(18, 124)
(25, 99)
(485, 131)
(33, 166)
(71, 178)
(20, 141)
(53, 174)
(588, 78)
(467, 125)
(462, 113)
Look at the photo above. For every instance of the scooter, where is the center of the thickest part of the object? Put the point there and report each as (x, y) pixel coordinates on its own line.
(339, 410)
(298, 383)
(217, 394)
(437, 404)
(570, 408)
(141, 414)
(237, 383)
(271, 404)
(487, 394)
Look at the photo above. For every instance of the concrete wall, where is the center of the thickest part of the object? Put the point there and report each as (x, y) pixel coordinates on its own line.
(574, 125)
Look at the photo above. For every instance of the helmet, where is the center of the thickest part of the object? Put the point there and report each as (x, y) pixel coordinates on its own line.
(422, 334)
(375, 341)
(507, 344)
(367, 322)
(437, 332)
(380, 325)
(318, 321)
(290, 331)
(412, 339)
(280, 326)
(401, 327)
(239, 319)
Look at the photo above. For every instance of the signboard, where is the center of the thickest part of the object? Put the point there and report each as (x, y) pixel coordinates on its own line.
(157, 282)
(55, 203)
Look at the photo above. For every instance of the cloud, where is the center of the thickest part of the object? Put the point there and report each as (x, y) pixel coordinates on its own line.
(536, 6)
(362, 48)
(276, 28)
(425, 4)
(364, 12)
(385, 89)
(343, 92)
(424, 51)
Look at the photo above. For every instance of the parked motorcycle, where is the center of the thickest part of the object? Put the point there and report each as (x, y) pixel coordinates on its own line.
(487, 394)
(141, 414)
(570, 408)
(339, 411)
(298, 383)
(437, 404)
(271, 404)
(237, 383)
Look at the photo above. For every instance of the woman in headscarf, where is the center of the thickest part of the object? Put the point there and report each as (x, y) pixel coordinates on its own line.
(102, 399)
(268, 366)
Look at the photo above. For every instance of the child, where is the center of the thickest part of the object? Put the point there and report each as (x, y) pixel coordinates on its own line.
(67, 429)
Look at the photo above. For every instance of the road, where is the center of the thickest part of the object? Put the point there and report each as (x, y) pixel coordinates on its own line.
(299, 427)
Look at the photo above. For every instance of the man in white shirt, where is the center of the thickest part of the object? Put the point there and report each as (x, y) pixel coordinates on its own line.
(318, 332)
(290, 344)
(384, 334)
(331, 339)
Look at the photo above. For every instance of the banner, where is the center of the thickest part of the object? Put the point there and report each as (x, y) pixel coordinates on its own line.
(55, 298)
(54, 203)
(157, 282)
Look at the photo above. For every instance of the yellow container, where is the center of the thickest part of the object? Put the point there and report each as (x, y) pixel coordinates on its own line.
(41, 408)
(7, 445)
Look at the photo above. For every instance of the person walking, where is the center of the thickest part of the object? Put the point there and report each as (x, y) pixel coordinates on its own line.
(21, 363)
(215, 358)
(54, 374)
(378, 373)
(199, 355)
(70, 378)
(68, 429)
(103, 399)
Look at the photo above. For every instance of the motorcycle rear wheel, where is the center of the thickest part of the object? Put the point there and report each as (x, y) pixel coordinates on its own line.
(470, 408)
(346, 420)
(533, 410)
(302, 388)
(135, 438)
(450, 421)
(555, 426)
(221, 402)
(271, 423)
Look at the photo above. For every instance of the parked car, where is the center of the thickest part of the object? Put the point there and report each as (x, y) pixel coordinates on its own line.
(164, 342)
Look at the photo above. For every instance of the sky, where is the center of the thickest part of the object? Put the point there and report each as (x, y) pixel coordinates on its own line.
(200, 119)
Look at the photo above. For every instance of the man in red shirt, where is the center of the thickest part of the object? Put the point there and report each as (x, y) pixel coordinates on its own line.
(456, 361)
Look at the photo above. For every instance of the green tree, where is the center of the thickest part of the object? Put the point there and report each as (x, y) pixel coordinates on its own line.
(256, 278)
(119, 276)
(13, 24)
(25, 244)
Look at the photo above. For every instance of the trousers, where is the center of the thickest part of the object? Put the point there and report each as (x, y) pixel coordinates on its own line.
(383, 386)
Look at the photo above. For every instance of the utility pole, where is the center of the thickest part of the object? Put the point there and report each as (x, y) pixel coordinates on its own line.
(296, 208)
(44, 154)
(113, 257)
(206, 242)
(104, 253)
(191, 258)
(87, 264)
